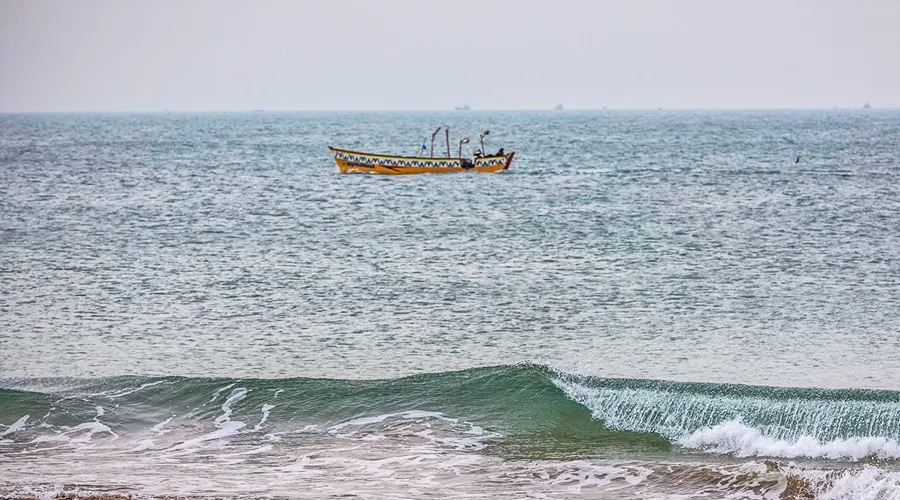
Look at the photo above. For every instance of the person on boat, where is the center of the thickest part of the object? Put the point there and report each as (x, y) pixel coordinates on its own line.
(500, 153)
(477, 153)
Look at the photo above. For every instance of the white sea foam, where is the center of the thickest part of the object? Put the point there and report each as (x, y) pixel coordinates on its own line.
(130, 391)
(576, 475)
(49, 439)
(225, 430)
(450, 433)
(225, 427)
(235, 396)
(414, 414)
(18, 424)
(91, 428)
(868, 483)
(158, 427)
(265, 415)
(219, 391)
(729, 423)
(734, 437)
(81, 433)
(144, 444)
(148, 443)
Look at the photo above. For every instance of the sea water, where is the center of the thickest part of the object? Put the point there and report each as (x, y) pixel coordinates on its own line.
(648, 304)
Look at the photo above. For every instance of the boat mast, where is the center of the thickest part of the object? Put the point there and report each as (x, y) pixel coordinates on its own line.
(464, 141)
(447, 129)
(483, 152)
(432, 140)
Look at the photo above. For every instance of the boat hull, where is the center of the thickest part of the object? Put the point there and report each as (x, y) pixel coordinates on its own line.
(356, 162)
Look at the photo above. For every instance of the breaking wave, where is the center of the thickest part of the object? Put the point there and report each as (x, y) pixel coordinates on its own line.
(525, 409)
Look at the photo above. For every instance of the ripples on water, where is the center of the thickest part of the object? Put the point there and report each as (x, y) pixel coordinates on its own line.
(663, 245)
(682, 245)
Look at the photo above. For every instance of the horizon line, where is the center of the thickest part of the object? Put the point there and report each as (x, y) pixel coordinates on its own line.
(421, 110)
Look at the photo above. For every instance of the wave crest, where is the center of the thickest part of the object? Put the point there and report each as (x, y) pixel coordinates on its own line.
(736, 438)
(747, 420)
(541, 413)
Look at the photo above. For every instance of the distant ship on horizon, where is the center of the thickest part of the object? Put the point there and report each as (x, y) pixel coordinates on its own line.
(463, 108)
(867, 106)
(559, 107)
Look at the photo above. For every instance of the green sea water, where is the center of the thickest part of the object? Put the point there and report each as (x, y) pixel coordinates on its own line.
(647, 304)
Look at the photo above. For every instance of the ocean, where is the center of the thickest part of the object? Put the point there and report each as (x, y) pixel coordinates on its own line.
(648, 304)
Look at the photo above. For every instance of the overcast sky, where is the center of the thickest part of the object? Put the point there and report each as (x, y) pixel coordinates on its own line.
(114, 55)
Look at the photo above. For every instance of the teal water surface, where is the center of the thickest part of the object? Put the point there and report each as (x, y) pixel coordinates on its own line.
(201, 289)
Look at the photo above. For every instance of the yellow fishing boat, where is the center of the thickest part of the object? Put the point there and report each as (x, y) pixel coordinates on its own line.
(355, 161)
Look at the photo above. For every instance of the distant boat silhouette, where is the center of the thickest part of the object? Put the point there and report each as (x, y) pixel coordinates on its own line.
(559, 107)
(463, 108)
(867, 106)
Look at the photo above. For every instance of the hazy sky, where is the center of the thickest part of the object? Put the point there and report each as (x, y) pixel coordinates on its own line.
(107, 55)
